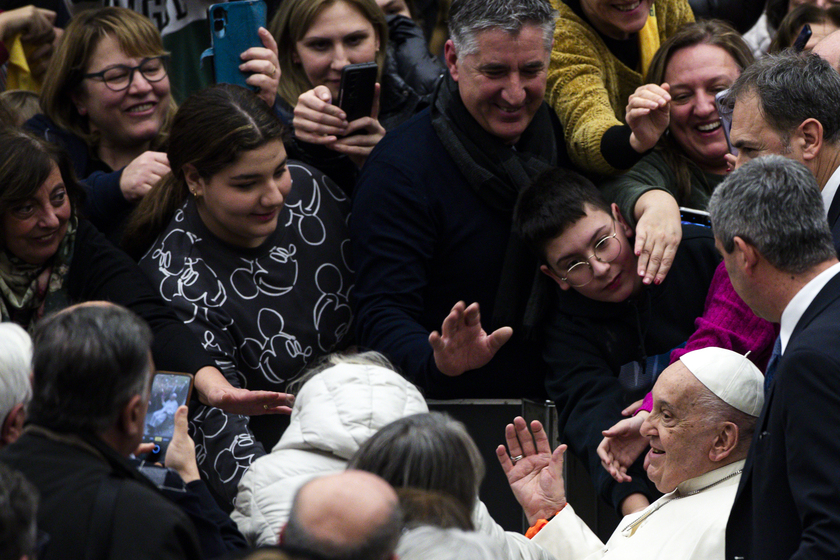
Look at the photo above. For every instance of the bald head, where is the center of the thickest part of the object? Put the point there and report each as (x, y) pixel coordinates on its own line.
(829, 49)
(351, 515)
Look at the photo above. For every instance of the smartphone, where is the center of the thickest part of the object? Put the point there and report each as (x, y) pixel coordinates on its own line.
(696, 217)
(802, 38)
(358, 86)
(725, 114)
(169, 391)
(233, 30)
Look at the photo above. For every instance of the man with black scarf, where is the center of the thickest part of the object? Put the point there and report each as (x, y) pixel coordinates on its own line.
(431, 222)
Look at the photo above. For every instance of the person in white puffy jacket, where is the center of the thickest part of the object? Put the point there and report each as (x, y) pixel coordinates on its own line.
(340, 405)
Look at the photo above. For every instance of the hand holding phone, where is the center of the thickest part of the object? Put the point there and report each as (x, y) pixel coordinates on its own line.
(169, 392)
(233, 30)
(357, 90)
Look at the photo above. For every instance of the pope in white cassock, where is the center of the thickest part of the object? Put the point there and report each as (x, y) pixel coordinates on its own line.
(704, 411)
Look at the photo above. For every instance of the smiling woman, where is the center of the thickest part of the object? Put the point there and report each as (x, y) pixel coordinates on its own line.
(699, 61)
(107, 100)
(51, 258)
(317, 39)
(248, 248)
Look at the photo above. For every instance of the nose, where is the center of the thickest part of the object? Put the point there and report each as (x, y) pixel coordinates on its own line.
(705, 105)
(599, 268)
(139, 83)
(514, 91)
(647, 428)
(48, 219)
(274, 194)
(340, 59)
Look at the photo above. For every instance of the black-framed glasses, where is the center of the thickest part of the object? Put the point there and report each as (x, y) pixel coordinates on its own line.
(606, 250)
(118, 78)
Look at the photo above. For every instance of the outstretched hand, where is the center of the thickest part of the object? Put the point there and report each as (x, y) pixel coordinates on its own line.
(213, 389)
(658, 234)
(622, 445)
(536, 478)
(462, 345)
(648, 115)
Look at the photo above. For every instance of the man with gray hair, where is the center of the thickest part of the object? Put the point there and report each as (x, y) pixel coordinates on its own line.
(432, 212)
(353, 515)
(15, 386)
(92, 368)
(787, 104)
(704, 412)
(769, 225)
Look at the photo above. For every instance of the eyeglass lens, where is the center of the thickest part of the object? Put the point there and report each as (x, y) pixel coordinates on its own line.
(119, 77)
(606, 251)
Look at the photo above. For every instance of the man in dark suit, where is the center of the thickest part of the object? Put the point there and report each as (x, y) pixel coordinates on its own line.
(787, 104)
(769, 224)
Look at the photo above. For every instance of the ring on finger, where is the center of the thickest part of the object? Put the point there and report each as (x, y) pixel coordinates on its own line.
(517, 458)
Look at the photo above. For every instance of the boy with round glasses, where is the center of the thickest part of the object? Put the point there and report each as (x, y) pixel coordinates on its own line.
(608, 334)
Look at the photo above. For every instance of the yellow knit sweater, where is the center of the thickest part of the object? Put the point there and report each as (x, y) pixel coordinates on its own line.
(588, 87)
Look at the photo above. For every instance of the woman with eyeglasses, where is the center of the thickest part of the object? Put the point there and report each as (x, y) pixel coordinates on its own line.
(107, 100)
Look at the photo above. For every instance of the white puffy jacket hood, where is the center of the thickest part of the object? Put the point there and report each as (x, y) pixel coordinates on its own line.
(334, 413)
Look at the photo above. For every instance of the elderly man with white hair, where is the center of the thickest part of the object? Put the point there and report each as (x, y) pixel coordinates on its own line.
(15, 383)
(704, 411)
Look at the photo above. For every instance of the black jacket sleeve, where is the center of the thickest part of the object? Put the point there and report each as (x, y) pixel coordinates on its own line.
(100, 271)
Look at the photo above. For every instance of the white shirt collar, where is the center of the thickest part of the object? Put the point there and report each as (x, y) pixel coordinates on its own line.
(800, 302)
(830, 189)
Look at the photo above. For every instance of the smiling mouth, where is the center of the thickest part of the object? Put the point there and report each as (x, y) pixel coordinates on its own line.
(614, 283)
(627, 7)
(141, 108)
(46, 237)
(709, 127)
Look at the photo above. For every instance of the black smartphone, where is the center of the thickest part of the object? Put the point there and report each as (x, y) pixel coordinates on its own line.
(169, 391)
(725, 114)
(358, 86)
(802, 38)
(696, 217)
(233, 30)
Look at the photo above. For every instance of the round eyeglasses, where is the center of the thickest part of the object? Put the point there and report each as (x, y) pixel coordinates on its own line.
(118, 78)
(606, 250)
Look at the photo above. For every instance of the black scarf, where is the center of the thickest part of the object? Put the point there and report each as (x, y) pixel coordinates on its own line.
(497, 173)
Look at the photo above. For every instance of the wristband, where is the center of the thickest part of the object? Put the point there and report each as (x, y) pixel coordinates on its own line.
(537, 527)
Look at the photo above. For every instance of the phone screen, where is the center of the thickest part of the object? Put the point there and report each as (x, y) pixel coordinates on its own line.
(696, 217)
(169, 391)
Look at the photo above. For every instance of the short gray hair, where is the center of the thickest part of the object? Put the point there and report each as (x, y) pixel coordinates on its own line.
(773, 203)
(791, 87)
(467, 18)
(715, 409)
(444, 544)
(89, 362)
(430, 451)
(15, 368)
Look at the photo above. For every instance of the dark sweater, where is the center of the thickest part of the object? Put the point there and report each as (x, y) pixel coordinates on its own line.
(588, 341)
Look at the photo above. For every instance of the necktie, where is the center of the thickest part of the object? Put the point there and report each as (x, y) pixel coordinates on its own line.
(773, 363)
